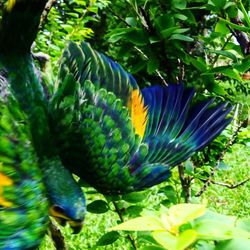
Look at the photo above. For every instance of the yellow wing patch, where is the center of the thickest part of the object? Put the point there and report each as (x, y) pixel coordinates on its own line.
(10, 5)
(4, 181)
(139, 112)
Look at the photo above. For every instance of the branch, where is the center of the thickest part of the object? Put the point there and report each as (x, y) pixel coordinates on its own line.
(185, 183)
(219, 159)
(227, 185)
(241, 37)
(57, 237)
(118, 211)
(46, 11)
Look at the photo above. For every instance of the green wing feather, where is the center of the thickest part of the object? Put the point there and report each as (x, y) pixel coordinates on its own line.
(96, 132)
(24, 207)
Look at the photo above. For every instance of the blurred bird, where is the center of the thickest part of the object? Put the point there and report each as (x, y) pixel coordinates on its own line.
(98, 125)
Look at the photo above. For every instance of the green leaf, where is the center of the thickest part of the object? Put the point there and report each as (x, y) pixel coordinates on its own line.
(153, 65)
(168, 32)
(134, 211)
(144, 223)
(244, 224)
(137, 37)
(224, 53)
(199, 63)
(181, 37)
(234, 244)
(219, 3)
(186, 238)
(98, 207)
(217, 230)
(166, 239)
(222, 28)
(179, 4)
(235, 26)
(152, 248)
(108, 238)
(189, 167)
(163, 22)
(181, 17)
(232, 73)
(182, 213)
(244, 66)
(135, 197)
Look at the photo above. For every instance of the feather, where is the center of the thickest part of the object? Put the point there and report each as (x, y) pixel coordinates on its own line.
(138, 112)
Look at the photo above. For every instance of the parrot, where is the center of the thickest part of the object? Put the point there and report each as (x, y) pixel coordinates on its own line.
(33, 181)
(97, 124)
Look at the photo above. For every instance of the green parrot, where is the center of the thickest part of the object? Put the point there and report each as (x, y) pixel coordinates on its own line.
(33, 181)
(98, 124)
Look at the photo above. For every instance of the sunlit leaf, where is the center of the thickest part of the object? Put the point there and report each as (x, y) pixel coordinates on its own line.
(145, 223)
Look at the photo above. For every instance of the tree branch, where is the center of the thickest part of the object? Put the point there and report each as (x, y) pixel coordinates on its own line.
(227, 185)
(46, 11)
(220, 157)
(118, 211)
(57, 237)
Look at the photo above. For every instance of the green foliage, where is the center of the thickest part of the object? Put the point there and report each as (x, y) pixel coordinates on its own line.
(184, 225)
(194, 42)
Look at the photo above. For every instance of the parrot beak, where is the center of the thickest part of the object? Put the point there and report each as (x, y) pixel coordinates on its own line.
(76, 226)
(58, 213)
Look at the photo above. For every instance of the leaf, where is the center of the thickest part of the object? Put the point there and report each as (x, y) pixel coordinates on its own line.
(227, 71)
(199, 63)
(144, 223)
(152, 248)
(234, 244)
(222, 28)
(244, 66)
(166, 239)
(179, 4)
(108, 238)
(189, 167)
(186, 238)
(153, 65)
(134, 211)
(182, 213)
(181, 37)
(235, 26)
(163, 22)
(168, 32)
(217, 230)
(98, 207)
(135, 197)
(244, 224)
(181, 17)
(137, 37)
(232, 73)
(224, 53)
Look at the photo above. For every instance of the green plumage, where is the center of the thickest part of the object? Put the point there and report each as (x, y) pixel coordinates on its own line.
(87, 128)
(23, 223)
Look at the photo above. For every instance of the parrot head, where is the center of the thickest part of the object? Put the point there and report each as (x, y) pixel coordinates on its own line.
(67, 200)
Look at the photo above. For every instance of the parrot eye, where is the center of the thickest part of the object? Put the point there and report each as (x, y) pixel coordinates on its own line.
(58, 209)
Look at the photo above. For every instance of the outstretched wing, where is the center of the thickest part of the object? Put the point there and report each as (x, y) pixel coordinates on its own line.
(176, 129)
(23, 204)
(122, 142)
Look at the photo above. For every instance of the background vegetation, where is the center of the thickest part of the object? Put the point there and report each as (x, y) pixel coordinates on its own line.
(204, 44)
